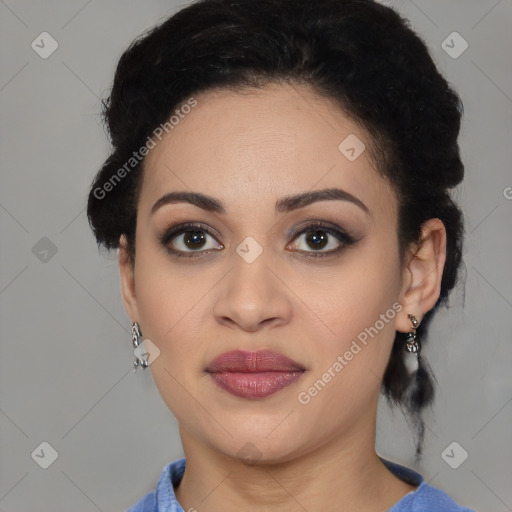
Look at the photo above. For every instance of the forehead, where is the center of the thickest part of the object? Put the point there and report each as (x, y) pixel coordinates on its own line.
(252, 146)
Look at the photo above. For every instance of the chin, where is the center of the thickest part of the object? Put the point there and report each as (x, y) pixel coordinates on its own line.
(253, 448)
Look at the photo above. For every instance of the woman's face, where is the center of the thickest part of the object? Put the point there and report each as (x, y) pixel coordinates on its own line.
(248, 280)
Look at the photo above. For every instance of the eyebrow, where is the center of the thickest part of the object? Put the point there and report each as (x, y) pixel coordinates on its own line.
(283, 205)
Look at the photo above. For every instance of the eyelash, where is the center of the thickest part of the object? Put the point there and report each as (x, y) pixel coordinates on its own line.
(342, 236)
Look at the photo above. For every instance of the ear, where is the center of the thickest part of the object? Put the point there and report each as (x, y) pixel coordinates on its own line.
(421, 280)
(126, 274)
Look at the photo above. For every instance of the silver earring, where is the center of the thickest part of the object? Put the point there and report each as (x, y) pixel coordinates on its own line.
(412, 343)
(412, 348)
(140, 360)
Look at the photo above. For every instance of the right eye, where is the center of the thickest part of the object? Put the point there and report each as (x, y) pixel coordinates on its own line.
(186, 239)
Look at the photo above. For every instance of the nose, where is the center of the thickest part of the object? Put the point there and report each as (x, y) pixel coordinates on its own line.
(252, 297)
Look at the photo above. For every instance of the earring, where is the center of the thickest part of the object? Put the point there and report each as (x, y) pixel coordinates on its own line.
(420, 389)
(412, 347)
(140, 356)
(412, 343)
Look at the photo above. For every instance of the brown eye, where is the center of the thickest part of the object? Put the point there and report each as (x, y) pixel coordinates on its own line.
(194, 239)
(321, 240)
(317, 239)
(187, 239)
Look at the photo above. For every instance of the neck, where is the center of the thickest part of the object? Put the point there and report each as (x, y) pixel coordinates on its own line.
(345, 474)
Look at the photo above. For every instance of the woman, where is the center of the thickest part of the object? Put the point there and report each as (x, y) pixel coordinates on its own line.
(278, 192)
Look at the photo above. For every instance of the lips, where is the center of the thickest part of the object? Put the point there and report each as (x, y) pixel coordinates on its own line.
(254, 374)
(253, 362)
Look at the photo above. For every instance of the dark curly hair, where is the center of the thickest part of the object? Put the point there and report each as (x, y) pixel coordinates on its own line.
(361, 54)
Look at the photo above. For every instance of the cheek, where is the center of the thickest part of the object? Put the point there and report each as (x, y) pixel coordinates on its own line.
(348, 364)
(171, 312)
(357, 306)
(170, 304)
(353, 294)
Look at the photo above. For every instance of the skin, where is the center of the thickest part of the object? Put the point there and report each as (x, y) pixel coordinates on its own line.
(249, 149)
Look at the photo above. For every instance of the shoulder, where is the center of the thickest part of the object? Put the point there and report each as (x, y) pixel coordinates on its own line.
(427, 498)
(163, 499)
(146, 504)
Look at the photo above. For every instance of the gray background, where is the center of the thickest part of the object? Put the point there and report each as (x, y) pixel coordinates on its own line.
(66, 350)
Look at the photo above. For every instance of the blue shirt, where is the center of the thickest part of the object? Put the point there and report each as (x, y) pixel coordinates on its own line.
(424, 499)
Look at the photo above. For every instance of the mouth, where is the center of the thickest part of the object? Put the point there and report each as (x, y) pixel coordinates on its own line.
(254, 374)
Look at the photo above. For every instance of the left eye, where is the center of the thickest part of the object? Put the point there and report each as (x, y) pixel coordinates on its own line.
(320, 239)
